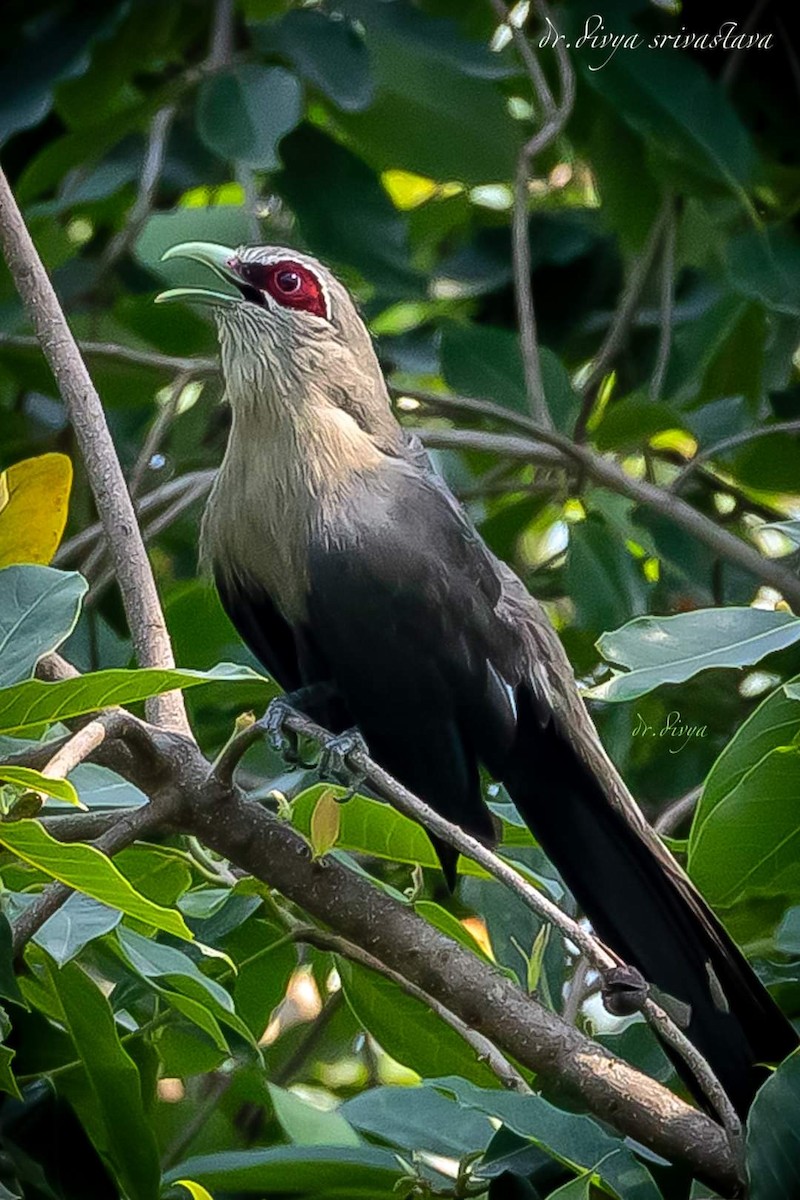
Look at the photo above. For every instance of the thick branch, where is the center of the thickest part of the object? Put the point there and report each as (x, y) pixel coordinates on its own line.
(482, 997)
(142, 607)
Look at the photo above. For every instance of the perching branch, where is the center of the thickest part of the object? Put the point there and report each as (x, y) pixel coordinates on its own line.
(172, 771)
(601, 958)
(142, 607)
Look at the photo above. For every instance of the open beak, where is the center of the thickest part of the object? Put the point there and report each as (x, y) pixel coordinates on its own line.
(222, 261)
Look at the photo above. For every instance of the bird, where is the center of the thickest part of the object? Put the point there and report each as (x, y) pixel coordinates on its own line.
(357, 579)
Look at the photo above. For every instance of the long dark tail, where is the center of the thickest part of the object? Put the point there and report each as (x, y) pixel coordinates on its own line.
(646, 910)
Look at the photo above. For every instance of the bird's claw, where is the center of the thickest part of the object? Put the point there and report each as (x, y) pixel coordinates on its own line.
(280, 739)
(335, 760)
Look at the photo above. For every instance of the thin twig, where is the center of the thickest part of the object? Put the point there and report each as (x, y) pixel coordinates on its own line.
(163, 494)
(143, 609)
(554, 117)
(156, 432)
(623, 319)
(217, 1086)
(123, 354)
(607, 473)
(314, 1034)
(731, 443)
(168, 517)
(76, 749)
(485, 1050)
(666, 307)
(677, 812)
(152, 166)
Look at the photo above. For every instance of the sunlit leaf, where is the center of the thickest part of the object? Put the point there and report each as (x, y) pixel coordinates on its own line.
(87, 870)
(34, 499)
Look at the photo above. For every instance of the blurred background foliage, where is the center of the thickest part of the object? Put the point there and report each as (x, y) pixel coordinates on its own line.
(383, 135)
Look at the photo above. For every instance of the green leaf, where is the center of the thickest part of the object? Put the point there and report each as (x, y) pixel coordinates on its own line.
(7, 1081)
(327, 53)
(34, 781)
(324, 827)
(158, 872)
(773, 1135)
(764, 264)
(659, 650)
(775, 723)
(368, 827)
(747, 849)
(243, 114)
(9, 988)
(111, 1109)
(263, 974)
(38, 610)
(79, 921)
(34, 702)
(357, 1172)
(87, 870)
(195, 1190)
(602, 577)
(437, 112)
(407, 1028)
(486, 363)
(176, 972)
(574, 1140)
(306, 1125)
(344, 212)
(98, 787)
(689, 125)
(419, 1118)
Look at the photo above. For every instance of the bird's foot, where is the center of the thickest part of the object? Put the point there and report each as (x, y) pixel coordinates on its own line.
(624, 991)
(335, 761)
(282, 740)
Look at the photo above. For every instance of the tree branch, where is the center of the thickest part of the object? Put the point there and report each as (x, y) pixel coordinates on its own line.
(600, 957)
(124, 354)
(607, 473)
(142, 606)
(174, 773)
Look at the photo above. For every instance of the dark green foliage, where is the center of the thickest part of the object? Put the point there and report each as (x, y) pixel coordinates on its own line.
(383, 135)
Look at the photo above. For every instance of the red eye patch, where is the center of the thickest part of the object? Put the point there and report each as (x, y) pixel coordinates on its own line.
(288, 282)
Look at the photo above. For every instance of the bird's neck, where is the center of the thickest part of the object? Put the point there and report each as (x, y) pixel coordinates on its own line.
(284, 474)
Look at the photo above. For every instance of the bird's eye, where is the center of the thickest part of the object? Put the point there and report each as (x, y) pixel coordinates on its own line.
(289, 282)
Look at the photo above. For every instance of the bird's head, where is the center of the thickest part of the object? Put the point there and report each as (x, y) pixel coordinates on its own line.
(289, 331)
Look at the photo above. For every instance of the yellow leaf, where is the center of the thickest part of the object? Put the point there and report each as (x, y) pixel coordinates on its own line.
(196, 1190)
(34, 499)
(324, 828)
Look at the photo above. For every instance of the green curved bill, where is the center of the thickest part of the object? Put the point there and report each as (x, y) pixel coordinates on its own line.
(210, 255)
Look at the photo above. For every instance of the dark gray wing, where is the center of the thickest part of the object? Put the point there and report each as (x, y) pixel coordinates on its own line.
(403, 596)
